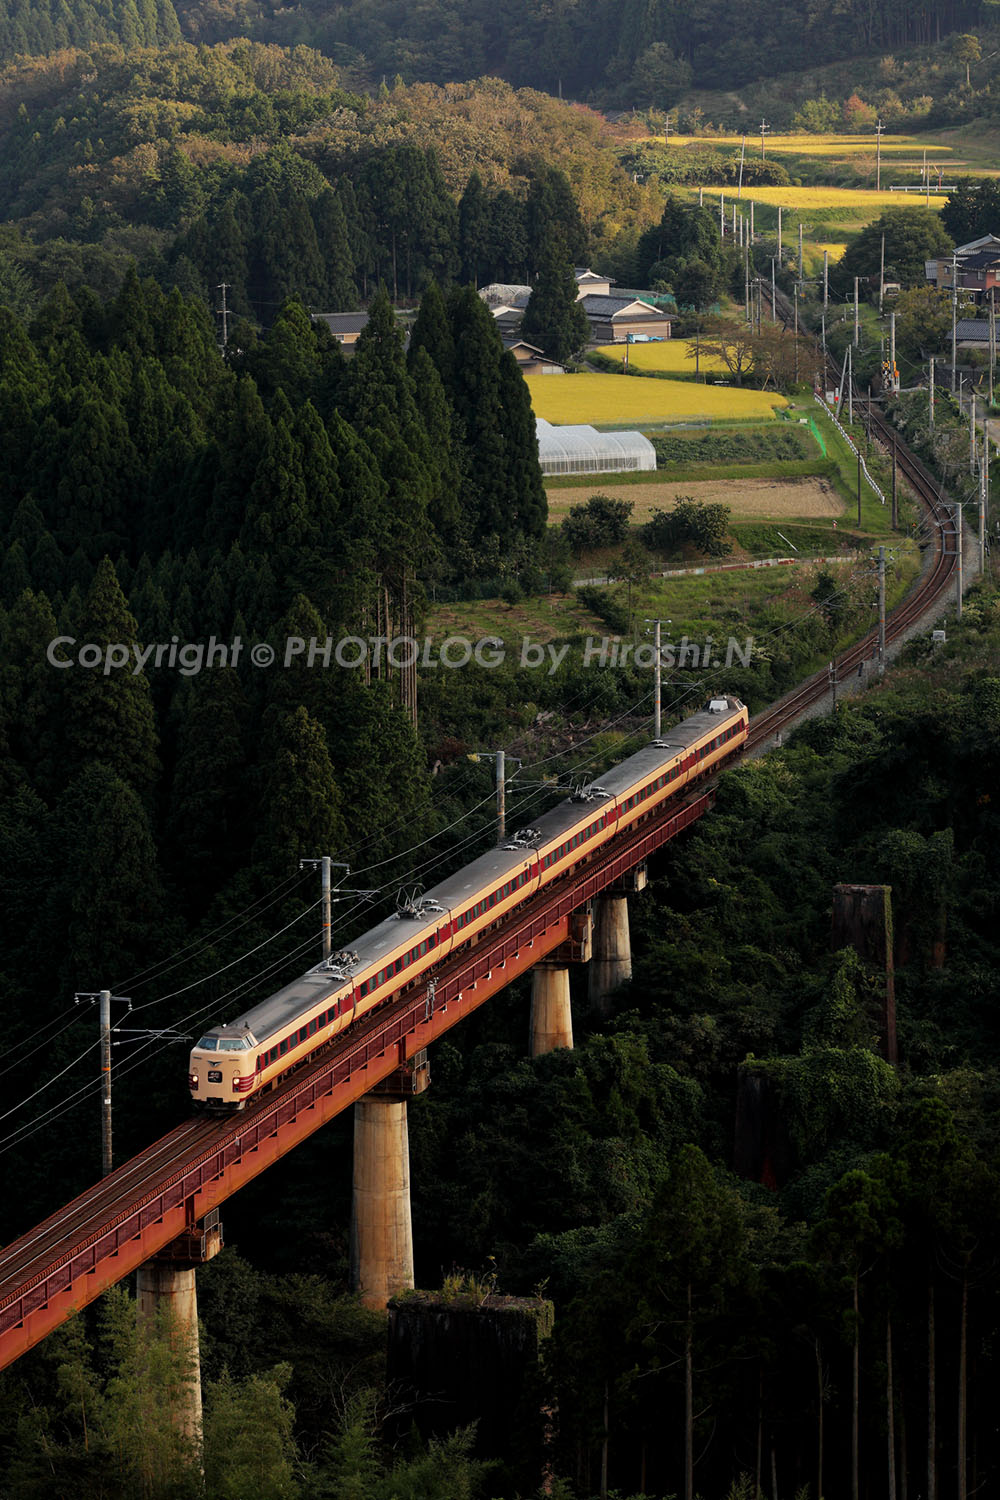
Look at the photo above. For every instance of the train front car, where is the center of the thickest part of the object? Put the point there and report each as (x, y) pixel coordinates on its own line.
(223, 1068)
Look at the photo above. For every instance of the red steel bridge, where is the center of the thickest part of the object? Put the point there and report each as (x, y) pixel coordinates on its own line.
(166, 1194)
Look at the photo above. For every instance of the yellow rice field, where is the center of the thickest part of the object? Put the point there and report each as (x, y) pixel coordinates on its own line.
(813, 145)
(671, 355)
(616, 400)
(828, 199)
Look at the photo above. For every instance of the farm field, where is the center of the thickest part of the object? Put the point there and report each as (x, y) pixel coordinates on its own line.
(616, 400)
(674, 355)
(830, 201)
(800, 499)
(804, 144)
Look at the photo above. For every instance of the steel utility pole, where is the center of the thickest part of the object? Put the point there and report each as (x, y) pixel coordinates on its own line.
(892, 353)
(774, 305)
(972, 434)
(857, 314)
(499, 758)
(982, 512)
(895, 506)
(881, 277)
(104, 999)
(826, 279)
(881, 611)
(878, 156)
(957, 512)
(993, 341)
(930, 412)
(859, 487)
(801, 273)
(779, 234)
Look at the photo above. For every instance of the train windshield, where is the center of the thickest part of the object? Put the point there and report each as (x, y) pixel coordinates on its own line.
(233, 1044)
(208, 1044)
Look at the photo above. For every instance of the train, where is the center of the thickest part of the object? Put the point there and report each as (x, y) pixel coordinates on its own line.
(237, 1060)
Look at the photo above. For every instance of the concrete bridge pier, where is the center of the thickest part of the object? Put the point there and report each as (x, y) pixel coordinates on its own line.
(166, 1289)
(612, 962)
(551, 1013)
(381, 1223)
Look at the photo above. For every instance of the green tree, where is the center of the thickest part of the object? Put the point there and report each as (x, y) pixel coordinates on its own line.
(249, 1438)
(912, 236)
(554, 320)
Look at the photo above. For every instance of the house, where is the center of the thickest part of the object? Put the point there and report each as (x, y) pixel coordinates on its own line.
(532, 361)
(973, 333)
(977, 265)
(588, 282)
(345, 327)
(507, 320)
(612, 319)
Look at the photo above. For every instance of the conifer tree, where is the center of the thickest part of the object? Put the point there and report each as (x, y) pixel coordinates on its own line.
(554, 319)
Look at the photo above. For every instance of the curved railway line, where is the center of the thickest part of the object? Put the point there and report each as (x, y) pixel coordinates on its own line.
(933, 582)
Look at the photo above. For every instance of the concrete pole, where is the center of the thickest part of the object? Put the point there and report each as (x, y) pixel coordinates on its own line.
(800, 251)
(774, 307)
(826, 279)
(881, 611)
(954, 317)
(722, 216)
(895, 501)
(982, 521)
(168, 1290)
(857, 314)
(972, 434)
(657, 682)
(611, 966)
(551, 1014)
(327, 909)
(779, 236)
(381, 1226)
(957, 512)
(104, 1000)
(930, 416)
(501, 796)
(892, 351)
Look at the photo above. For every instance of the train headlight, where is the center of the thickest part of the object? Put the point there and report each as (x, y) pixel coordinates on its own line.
(193, 1080)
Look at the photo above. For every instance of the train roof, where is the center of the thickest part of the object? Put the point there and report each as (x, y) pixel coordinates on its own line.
(490, 868)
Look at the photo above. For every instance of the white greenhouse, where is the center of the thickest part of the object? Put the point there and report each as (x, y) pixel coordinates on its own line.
(584, 450)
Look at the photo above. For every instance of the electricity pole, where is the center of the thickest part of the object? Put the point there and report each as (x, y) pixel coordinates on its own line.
(826, 279)
(764, 127)
(930, 414)
(774, 305)
(881, 277)
(857, 314)
(499, 759)
(325, 864)
(657, 674)
(957, 512)
(954, 318)
(104, 999)
(779, 234)
(878, 155)
(881, 611)
(223, 287)
(895, 506)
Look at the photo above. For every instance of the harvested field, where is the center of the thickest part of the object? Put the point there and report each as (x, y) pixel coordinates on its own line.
(748, 499)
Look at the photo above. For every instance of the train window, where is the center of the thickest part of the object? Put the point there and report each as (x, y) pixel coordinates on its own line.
(272, 1054)
(423, 947)
(310, 1029)
(364, 988)
(399, 965)
(432, 940)
(303, 1033)
(282, 1048)
(208, 1044)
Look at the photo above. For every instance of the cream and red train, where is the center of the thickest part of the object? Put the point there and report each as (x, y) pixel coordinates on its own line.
(233, 1062)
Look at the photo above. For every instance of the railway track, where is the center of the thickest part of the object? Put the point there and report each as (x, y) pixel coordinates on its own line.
(935, 579)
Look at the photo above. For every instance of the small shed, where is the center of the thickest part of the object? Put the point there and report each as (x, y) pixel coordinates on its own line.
(584, 450)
